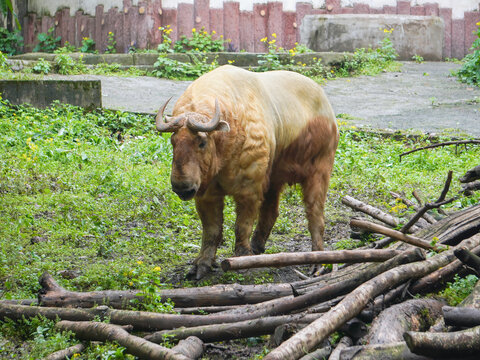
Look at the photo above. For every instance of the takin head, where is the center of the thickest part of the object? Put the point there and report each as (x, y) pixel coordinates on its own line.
(194, 150)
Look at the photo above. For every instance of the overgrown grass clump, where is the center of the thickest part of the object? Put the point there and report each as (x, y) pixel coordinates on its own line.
(88, 193)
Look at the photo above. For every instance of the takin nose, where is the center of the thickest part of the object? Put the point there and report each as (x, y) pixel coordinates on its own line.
(185, 191)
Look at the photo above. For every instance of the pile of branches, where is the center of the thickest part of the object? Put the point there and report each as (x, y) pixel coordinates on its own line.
(374, 284)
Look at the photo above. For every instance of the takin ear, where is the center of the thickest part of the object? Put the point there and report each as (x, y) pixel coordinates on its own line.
(223, 126)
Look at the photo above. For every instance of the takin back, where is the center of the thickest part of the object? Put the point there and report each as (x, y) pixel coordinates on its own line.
(246, 135)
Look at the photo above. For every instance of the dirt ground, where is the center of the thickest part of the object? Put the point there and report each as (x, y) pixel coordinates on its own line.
(422, 97)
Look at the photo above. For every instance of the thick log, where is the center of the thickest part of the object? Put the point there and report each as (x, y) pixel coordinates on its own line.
(230, 331)
(471, 175)
(469, 258)
(355, 301)
(191, 347)
(443, 345)
(17, 312)
(344, 343)
(97, 331)
(411, 315)
(66, 353)
(54, 295)
(461, 316)
(409, 239)
(319, 354)
(201, 310)
(392, 351)
(307, 258)
(370, 210)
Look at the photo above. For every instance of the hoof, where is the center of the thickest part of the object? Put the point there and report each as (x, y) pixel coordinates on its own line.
(257, 249)
(243, 251)
(197, 272)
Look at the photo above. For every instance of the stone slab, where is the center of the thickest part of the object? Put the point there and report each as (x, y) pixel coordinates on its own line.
(41, 93)
(412, 35)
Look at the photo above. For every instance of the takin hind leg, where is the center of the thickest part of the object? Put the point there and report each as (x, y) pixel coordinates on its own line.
(210, 210)
(315, 189)
(267, 218)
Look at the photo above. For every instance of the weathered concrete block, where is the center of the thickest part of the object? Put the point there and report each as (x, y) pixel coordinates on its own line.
(41, 93)
(412, 35)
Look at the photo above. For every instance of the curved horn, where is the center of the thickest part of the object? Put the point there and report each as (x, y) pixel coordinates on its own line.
(210, 126)
(168, 126)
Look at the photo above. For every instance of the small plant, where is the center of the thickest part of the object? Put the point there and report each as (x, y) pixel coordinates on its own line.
(47, 42)
(270, 60)
(111, 43)
(88, 45)
(470, 71)
(459, 289)
(174, 69)
(67, 48)
(200, 41)
(65, 65)
(42, 67)
(10, 41)
(4, 66)
(417, 58)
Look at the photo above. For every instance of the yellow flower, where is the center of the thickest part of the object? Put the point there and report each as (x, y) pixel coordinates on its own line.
(214, 32)
(130, 283)
(272, 42)
(157, 268)
(478, 24)
(263, 39)
(231, 61)
(194, 30)
(110, 33)
(139, 262)
(274, 35)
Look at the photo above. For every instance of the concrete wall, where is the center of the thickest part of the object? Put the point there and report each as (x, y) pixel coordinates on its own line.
(411, 35)
(245, 22)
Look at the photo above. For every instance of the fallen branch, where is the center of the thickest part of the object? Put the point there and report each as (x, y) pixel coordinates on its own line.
(468, 189)
(409, 239)
(191, 347)
(447, 143)
(134, 345)
(344, 343)
(456, 344)
(319, 354)
(54, 295)
(307, 258)
(461, 316)
(353, 303)
(370, 210)
(429, 206)
(66, 353)
(429, 218)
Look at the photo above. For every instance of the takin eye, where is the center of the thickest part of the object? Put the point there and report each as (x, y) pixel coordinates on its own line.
(202, 142)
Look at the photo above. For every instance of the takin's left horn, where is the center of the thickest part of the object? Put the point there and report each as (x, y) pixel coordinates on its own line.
(168, 125)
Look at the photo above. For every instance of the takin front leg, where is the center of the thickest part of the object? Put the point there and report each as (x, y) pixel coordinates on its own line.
(210, 210)
(247, 210)
(268, 216)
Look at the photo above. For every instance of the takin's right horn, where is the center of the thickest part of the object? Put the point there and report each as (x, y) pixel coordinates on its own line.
(168, 125)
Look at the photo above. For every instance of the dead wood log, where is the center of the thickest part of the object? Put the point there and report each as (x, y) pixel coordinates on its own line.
(447, 143)
(344, 343)
(370, 210)
(319, 354)
(469, 258)
(461, 316)
(455, 227)
(230, 331)
(411, 315)
(471, 175)
(20, 302)
(54, 295)
(429, 206)
(443, 345)
(355, 301)
(392, 351)
(469, 188)
(438, 278)
(134, 345)
(17, 312)
(66, 353)
(307, 258)
(201, 310)
(191, 347)
(409, 239)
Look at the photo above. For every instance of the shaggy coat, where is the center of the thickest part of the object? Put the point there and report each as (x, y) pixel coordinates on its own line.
(276, 128)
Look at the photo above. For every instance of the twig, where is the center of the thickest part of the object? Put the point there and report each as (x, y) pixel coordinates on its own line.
(428, 206)
(447, 143)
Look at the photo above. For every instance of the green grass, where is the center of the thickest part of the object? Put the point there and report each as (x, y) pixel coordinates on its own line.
(90, 192)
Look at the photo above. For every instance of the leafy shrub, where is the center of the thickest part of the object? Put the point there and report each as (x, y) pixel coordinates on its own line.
(67, 48)
(200, 41)
(65, 65)
(270, 60)
(470, 71)
(111, 44)
(10, 41)
(47, 42)
(4, 66)
(41, 66)
(88, 45)
(171, 68)
(459, 289)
